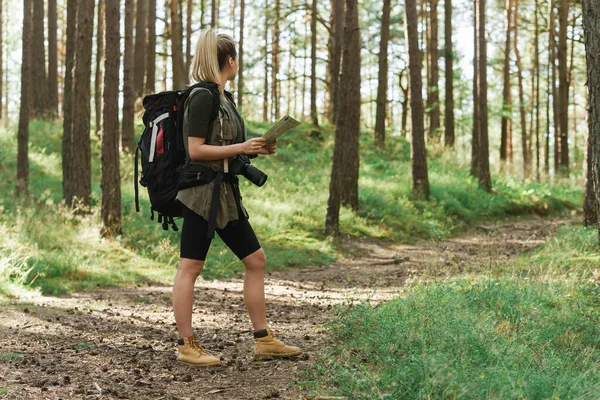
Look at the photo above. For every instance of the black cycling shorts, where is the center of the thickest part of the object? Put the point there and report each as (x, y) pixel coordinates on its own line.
(237, 235)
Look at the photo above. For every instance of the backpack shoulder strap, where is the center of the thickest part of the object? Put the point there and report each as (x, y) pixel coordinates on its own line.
(216, 105)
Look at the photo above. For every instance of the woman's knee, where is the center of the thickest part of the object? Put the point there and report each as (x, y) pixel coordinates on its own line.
(190, 266)
(256, 260)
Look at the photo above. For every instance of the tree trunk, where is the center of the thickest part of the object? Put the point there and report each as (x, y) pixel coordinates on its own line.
(485, 180)
(111, 181)
(563, 86)
(313, 63)
(188, 36)
(449, 98)
(419, 152)
(434, 56)
(343, 186)
(214, 15)
(81, 174)
(23, 133)
(98, 80)
(475, 140)
(240, 93)
(383, 76)
(506, 98)
(591, 26)
(266, 71)
(151, 49)
(335, 54)
(38, 58)
(67, 139)
(52, 60)
(127, 138)
(176, 48)
(139, 66)
(536, 68)
(165, 45)
(522, 111)
(553, 91)
(405, 99)
(590, 209)
(202, 13)
(275, 61)
(2, 70)
(547, 148)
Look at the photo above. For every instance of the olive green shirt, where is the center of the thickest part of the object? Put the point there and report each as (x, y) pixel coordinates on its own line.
(196, 121)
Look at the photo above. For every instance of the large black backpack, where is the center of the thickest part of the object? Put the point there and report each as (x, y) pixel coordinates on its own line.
(163, 152)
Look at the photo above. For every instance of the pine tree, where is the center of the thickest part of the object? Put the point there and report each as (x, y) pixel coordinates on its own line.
(139, 66)
(383, 74)
(52, 60)
(67, 139)
(127, 135)
(23, 133)
(98, 80)
(449, 56)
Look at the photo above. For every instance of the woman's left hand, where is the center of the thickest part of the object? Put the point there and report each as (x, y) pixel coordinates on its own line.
(270, 148)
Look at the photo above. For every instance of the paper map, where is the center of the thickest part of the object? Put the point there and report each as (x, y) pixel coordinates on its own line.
(284, 125)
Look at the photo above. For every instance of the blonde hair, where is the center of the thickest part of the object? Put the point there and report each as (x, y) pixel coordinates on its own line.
(212, 53)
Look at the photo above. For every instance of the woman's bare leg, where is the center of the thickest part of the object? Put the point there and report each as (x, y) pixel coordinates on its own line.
(254, 288)
(183, 294)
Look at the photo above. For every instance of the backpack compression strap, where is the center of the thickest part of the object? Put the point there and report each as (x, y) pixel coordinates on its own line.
(154, 125)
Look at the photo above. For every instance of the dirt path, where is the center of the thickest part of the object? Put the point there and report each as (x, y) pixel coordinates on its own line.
(119, 343)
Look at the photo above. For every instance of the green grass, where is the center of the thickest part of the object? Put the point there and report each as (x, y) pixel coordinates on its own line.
(526, 329)
(49, 247)
(10, 356)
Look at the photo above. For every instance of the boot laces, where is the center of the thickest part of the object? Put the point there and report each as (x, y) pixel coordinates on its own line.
(195, 346)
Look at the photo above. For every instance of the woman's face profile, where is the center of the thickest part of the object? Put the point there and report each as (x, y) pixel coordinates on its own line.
(233, 65)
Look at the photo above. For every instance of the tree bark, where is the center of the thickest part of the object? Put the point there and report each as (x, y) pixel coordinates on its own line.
(313, 63)
(433, 98)
(52, 60)
(343, 187)
(553, 91)
(67, 139)
(98, 80)
(506, 97)
(240, 93)
(111, 182)
(383, 76)
(405, 99)
(536, 68)
(176, 48)
(563, 86)
(485, 180)
(127, 135)
(522, 112)
(275, 61)
(23, 132)
(591, 26)
(139, 66)
(188, 36)
(38, 58)
(151, 49)
(418, 150)
(81, 174)
(2, 70)
(449, 55)
(335, 54)
(590, 209)
(214, 15)
(475, 139)
(266, 71)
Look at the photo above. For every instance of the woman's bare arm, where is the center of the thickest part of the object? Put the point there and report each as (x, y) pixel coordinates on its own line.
(200, 151)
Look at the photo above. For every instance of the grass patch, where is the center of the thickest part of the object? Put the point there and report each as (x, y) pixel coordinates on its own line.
(472, 339)
(49, 248)
(11, 356)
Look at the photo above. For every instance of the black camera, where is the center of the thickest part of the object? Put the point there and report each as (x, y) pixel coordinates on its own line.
(240, 165)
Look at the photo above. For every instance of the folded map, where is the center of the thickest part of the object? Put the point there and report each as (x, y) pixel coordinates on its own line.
(282, 126)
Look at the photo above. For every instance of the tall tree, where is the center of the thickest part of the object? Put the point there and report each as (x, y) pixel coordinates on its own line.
(2, 70)
(563, 85)
(67, 139)
(417, 129)
(98, 81)
(449, 56)
(151, 49)
(590, 201)
(536, 71)
(313, 63)
(38, 58)
(188, 35)
(475, 125)
(81, 174)
(139, 67)
(52, 59)
(405, 99)
(506, 123)
(214, 15)
(266, 70)
(275, 60)
(525, 140)
(23, 133)
(591, 26)
(127, 135)
(433, 95)
(485, 180)
(383, 74)
(176, 47)
(335, 54)
(343, 187)
(111, 182)
(240, 90)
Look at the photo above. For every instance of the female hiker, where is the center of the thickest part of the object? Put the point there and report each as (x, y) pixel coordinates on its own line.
(212, 149)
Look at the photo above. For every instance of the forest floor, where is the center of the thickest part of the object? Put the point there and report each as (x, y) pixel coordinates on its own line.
(120, 343)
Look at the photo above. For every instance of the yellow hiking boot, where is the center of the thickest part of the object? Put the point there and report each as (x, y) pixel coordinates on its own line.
(267, 347)
(189, 352)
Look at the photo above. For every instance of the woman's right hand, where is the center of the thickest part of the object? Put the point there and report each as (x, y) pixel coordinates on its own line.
(252, 146)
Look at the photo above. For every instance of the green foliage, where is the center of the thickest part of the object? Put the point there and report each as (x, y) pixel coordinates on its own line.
(10, 356)
(57, 250)
(471, 339)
